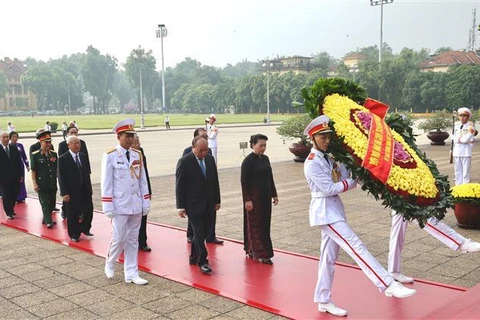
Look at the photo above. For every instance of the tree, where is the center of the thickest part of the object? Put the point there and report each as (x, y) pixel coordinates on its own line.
(122, 89)
(323, 60)
(463, 87)
(442, 50)
(98, 71)
(144, 60)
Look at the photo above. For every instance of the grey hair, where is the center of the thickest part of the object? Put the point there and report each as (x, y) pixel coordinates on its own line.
(70, 138)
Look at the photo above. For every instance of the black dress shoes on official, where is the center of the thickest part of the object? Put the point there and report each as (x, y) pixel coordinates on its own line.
(215, 241)
(56, 209)
(75, 239)
(189, 239)
(9, 217)
(145, 248)
(205, 269)
(88, 234)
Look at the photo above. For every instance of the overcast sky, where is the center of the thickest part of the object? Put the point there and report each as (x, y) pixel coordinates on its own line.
(217, 32)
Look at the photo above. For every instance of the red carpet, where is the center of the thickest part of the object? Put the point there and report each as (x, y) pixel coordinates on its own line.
(286, 288)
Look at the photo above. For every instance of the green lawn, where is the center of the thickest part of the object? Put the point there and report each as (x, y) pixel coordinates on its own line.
(31, 124)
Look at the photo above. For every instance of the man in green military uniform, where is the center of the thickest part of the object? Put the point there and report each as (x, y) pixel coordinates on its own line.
(44, 175)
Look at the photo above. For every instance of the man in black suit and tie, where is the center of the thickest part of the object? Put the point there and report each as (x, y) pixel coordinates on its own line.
(10, 174)
(63, 147)
(198, 197)
(211, 234)
(76, 189)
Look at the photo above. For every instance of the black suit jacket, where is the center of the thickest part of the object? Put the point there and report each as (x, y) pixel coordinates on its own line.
(69, 177)
(10, 167)
(195, 193)
(62, 148)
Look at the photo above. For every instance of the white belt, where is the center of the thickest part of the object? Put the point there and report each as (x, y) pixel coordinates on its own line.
(320, 194)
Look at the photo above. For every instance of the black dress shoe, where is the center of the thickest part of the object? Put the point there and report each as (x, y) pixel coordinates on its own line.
(88, 234)
(56, 209)
(145, 248)
(205, 269)
(50, 225)
(215, 241)
(75, 239)
(63, 215)
(189, 239)
(9, 217)
(14, 213)
(266, 261)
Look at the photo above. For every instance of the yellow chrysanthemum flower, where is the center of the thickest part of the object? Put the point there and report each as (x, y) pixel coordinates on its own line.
(418, 181)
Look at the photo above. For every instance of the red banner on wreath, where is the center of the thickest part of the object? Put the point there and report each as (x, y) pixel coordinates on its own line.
(379, 157)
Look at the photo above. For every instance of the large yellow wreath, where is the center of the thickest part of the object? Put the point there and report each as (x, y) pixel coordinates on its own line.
(412, 178)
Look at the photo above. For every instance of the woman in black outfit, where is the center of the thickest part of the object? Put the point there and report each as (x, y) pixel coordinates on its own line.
(259, 192)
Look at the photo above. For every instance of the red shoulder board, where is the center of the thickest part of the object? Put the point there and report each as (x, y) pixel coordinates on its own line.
(311, 156)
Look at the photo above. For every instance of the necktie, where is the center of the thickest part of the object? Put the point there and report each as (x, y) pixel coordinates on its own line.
(202, 166)
(461, 127)
(7, 151)
(326, 157)
(79, 166)
(77, 161)
(127, 154)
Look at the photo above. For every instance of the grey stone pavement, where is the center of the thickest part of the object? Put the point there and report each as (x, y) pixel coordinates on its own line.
(42, 279)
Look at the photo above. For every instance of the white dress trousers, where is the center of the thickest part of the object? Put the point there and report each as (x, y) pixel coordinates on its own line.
(125, 229)
(437, 229)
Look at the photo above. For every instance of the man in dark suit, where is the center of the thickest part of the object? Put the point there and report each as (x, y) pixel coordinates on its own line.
(76, 189)
(62, 148)
(10, 174)
(211, 235)
(198, 197)
(142, 235)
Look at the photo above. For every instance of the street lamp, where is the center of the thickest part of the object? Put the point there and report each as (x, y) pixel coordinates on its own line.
(268, 65)
(139, 57)
(354, 70)
(162, 33)
(380, 3)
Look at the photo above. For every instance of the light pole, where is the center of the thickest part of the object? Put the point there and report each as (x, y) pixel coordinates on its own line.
(139, 57)
(142, 121)
(268, 65)
(354, 70)
(162, 33)
(380, 3)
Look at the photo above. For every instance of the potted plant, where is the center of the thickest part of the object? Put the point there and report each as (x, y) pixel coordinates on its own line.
(437, 127)
(466, 198)
(293, 128)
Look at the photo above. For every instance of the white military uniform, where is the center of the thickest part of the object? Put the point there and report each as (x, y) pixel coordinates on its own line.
(326, 180)
(212, 132)
(437, 229)
(125, 193)
(463, 141)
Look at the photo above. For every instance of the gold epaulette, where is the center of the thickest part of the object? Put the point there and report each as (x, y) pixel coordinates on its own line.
(110, 150)
(36, 151)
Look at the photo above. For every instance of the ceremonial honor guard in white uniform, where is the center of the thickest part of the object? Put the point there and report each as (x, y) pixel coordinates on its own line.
(125, 198)
(463, 139)
(327, 180)
(435, 228)
(212, 132)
